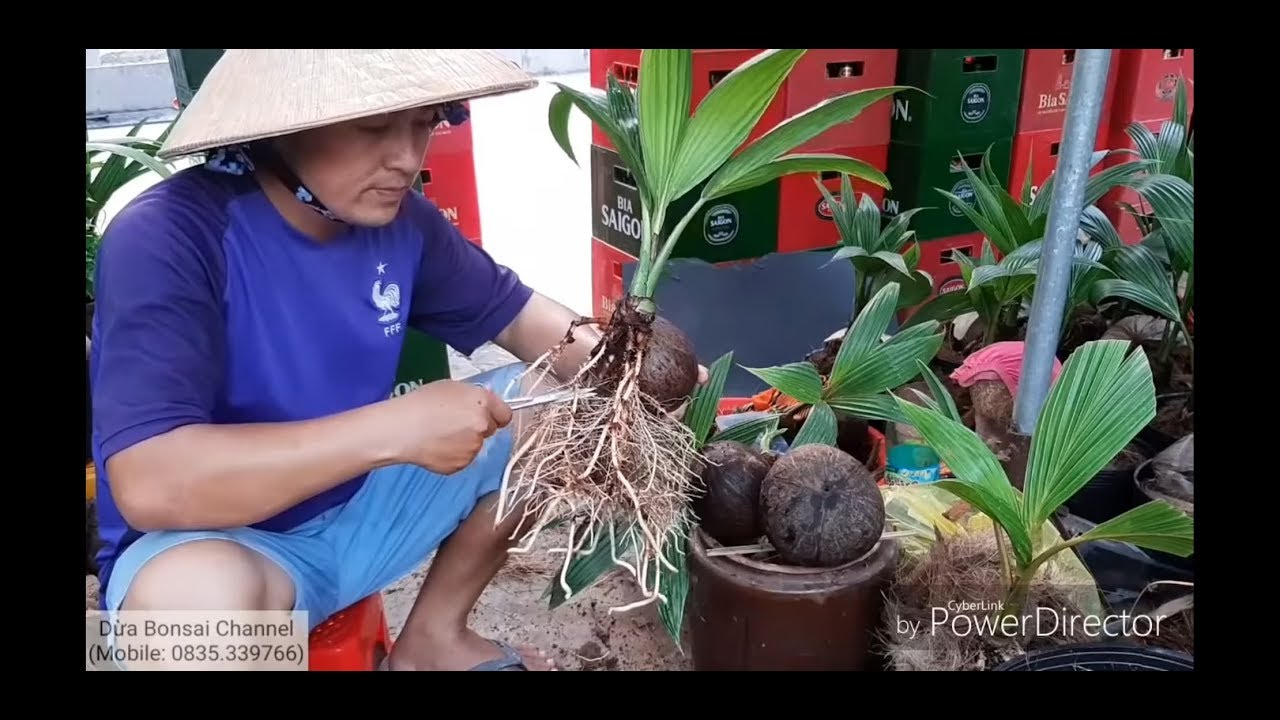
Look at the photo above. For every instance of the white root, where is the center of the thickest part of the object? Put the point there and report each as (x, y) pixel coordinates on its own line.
(602, 462)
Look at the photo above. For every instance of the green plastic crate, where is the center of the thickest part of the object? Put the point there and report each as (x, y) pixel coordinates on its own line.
(740, 226)
(975, 95)
(915, 171)
(189, 68)
(423, 359)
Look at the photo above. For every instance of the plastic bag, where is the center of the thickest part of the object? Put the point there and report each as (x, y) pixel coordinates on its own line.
(1172, 475)
(920, 509)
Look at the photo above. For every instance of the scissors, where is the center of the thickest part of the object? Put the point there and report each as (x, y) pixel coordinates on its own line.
(528, 401)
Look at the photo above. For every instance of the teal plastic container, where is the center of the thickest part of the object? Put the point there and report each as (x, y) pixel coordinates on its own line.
(911, 464)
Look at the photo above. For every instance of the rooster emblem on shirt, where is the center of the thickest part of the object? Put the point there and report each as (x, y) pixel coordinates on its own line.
(386, 299)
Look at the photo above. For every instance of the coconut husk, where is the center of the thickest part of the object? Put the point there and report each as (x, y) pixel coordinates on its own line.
(950, 556)
(961, 577)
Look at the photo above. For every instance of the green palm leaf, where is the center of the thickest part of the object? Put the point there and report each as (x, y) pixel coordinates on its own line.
(1156, 525)
(1099, 403)
(979, 478)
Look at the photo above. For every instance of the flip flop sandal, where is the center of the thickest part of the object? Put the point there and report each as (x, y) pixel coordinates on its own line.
(510, 660)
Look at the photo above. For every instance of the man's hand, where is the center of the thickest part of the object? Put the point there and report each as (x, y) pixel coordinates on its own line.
(442, 425)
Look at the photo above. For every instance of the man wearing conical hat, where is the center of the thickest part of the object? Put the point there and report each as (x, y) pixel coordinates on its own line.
(249, 321)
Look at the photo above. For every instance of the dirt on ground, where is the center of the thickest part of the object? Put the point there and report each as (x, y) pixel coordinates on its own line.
(580, 634)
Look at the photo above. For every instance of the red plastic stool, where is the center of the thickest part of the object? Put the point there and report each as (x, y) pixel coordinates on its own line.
(354, 639)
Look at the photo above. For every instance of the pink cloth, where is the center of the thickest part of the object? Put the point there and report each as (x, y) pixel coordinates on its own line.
(998, 361)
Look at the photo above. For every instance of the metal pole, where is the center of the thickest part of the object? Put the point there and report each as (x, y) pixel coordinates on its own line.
(1053, 275)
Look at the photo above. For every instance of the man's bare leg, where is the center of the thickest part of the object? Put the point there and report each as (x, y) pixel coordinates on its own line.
(435, 635)
(212, 575)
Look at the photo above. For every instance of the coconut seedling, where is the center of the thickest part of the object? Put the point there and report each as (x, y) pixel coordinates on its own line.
(879, 255)
(716, 467)
(1154, 272)
(866, 368)
(998, 289)
(619, 459)
(1103, 397)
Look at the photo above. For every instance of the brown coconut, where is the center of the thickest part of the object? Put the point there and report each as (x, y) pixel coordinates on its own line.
(729, 508)
(669, 372)
(820, 507)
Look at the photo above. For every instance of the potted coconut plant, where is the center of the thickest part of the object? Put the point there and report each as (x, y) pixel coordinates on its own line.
(789, 548)
(1150, 290)
(617, 460)
(880, 256)
(1007, 578)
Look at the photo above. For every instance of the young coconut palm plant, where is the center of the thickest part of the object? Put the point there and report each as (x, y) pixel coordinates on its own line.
(866, 368)
(1152, 272)
(618, 458)
(876, 253)
(592, 563)
(1098, 404)
(998, 289)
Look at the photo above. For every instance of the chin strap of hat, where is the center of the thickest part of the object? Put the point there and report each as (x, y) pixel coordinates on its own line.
(241, 159)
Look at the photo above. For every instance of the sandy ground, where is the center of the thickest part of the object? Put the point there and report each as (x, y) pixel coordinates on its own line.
(580, 634)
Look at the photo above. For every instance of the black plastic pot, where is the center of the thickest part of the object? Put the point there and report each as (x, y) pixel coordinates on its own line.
(1157, 440)
(1109, 493)
(1142, 473)
(1124, 572)
(1103, 657)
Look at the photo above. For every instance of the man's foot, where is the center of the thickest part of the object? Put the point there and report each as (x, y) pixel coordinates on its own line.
(469, 651)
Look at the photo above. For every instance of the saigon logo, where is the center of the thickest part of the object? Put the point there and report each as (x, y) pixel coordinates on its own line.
(720, 225)
(823, 209)
(953, 285)
(976, 103)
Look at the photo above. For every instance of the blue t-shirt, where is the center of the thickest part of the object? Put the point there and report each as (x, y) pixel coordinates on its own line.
(211, 308)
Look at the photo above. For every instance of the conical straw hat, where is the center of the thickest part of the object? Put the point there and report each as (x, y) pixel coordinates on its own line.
(255, 94)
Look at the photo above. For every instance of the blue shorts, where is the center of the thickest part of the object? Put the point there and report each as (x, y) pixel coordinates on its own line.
(383, 533)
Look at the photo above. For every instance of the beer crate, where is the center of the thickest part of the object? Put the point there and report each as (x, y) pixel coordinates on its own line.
(917, 172)
(1046, 87)
(1038, 151)
(449, 181)
(805, 221)
(937, 257)
(1146, 84)
(709, 66)
(975, 96)
(823, 74)
(607, 287)
(736, 227)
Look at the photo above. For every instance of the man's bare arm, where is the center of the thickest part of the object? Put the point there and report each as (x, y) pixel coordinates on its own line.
(217, 476)
(542, 324)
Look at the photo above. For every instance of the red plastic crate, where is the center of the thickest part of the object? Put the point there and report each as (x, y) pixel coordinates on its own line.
(1046, 86)
(606, 277)
(1039, 150)
(935, 259)
(1124, 223)
(1147, 82)
(450, 140)
(804, 219)
(822, 74)
(708, 67)
(449, 180)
